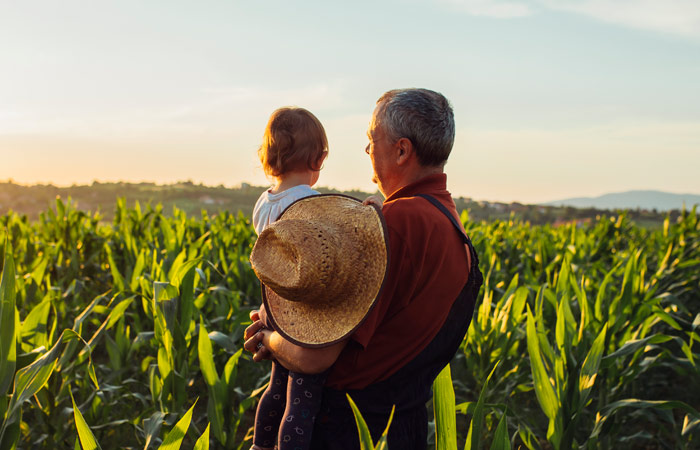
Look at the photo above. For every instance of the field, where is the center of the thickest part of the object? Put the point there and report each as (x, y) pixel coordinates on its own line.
(587, 335)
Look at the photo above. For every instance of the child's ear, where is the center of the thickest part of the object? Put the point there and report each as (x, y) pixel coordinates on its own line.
(322, 159)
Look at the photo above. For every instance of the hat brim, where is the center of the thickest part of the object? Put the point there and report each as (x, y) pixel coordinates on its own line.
(324, 324)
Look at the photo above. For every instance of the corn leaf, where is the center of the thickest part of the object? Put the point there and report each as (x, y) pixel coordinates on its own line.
(8, 334)
(638, 404)
(151, 427)
(203, 441)
(543, 386)
(382, 443)
(206, 357)
(444, 410)
(474, 434)
(34, 330)
(87, 439)
(500, 438)
(365, 436)
(173, 440)
(589, 370)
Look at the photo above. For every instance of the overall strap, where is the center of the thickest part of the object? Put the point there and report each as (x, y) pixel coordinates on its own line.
(454, 221)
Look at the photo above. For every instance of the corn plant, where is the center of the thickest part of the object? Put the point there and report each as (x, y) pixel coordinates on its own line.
(594, 328)
(366, 442)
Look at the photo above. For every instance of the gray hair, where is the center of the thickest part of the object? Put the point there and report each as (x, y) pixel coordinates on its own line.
(421, 115)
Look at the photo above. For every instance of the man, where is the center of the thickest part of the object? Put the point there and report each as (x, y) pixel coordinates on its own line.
(428, 297)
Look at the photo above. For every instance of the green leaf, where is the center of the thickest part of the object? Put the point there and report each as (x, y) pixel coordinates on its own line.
(500, 438)
(444, 409)
(177, 263)
(637, 404)
(117, 312)
(186, 289)
(543, 386)
(365, 436)
(40, 270)
(87, 439)
(118, 280)
(29, 380)
(203, 441)
(690, 426)
(632, 346)
(474, 434)
(589, 370)
(68, 353)
(223, 341)
(173, 440)
(137, 271)
(34, 330)
(183, 270)
(8, 334)
(231, 368)
(151, 427)
(206, 357)
(666, 317)
(383, 444)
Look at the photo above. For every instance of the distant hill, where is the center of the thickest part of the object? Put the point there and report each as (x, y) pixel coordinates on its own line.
(661, 201)
(193, 199)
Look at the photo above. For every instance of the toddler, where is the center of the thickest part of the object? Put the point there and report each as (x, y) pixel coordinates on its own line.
(292, 153)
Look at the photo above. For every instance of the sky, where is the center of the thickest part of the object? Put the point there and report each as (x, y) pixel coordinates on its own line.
(552, 98)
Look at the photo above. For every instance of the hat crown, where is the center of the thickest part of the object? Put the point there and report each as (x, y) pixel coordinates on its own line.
(298, 260)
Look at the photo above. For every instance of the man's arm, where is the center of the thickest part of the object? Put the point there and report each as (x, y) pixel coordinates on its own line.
(292, 356)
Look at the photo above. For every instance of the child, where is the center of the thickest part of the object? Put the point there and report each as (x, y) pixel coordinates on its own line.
(292, 153)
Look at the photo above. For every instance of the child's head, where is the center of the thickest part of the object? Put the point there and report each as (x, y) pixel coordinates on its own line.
(294, 140)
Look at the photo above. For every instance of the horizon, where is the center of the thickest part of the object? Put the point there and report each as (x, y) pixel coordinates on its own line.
(321, 187)
(552, 100)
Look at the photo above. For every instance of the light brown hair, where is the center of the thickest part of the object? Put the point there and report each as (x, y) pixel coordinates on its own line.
(294, 140)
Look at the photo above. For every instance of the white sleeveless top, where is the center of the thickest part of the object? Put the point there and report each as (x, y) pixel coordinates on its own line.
(270, 206)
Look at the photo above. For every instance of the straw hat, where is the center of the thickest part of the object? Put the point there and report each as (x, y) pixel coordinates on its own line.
(322, 265)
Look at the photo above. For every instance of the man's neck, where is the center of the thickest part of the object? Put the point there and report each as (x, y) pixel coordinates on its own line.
(422, 173)
(411, 176)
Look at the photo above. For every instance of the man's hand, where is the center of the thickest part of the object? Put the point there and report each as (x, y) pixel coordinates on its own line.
(254, 336)
(267, 344)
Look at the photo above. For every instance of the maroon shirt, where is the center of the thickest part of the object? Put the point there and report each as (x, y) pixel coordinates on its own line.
(428, 267)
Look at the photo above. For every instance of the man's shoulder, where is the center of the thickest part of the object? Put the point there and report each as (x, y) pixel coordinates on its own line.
(405, 205)
(409, 206)
(409, 212)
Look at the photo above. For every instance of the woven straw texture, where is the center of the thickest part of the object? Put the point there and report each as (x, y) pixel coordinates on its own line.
(323, 263)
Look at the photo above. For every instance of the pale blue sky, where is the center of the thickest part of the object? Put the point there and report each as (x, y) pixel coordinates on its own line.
(552, 98)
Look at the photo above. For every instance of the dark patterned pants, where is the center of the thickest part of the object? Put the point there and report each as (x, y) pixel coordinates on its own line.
(287, 409)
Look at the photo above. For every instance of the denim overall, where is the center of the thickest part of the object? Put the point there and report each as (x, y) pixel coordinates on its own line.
(410, 388)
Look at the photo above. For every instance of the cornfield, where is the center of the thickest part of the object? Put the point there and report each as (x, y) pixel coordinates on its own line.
(129, 335)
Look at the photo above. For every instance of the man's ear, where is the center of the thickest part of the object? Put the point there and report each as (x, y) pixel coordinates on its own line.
(404, 150)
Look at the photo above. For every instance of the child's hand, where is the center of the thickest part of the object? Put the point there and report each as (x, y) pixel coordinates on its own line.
(373, 200)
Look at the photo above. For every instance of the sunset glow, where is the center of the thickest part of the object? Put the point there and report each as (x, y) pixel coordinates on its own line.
(552, 99)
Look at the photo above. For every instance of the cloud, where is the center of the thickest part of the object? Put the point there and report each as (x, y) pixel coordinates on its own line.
(679, 17)
(492, 8)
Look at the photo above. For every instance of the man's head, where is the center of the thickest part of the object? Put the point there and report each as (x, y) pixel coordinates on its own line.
(411, 134)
